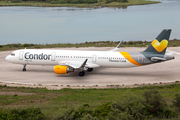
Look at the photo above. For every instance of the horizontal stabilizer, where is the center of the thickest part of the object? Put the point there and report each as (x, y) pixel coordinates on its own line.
(157, 59)
(171, 53)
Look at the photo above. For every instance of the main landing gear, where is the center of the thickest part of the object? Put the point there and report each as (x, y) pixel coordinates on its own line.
(90, 69)
(24, 68)
(82, 73)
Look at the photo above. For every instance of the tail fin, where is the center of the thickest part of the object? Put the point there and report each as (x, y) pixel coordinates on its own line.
(159, 45)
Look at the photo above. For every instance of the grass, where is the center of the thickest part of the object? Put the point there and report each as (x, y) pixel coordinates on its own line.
(131, 2)
(172, 43)
(41, 4)
(53, 101)
(102, 4)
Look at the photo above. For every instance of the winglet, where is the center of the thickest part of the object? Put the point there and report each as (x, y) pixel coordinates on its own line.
(117, 47)
(84, 63)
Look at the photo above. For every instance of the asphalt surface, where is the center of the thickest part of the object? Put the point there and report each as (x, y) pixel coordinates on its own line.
(164, 72)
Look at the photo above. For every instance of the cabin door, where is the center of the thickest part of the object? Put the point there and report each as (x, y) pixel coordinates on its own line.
(94, 57)
(53, 56)
(21, 55)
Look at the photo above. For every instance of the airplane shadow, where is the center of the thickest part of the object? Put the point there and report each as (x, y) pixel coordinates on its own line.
(100, 72)
(117, 74)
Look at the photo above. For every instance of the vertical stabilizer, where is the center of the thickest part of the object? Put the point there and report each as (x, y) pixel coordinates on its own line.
(159, 45)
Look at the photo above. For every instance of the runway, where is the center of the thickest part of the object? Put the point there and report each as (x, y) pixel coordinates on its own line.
(164, 72)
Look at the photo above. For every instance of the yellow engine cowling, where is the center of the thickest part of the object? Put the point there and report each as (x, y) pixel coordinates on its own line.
(61, 69)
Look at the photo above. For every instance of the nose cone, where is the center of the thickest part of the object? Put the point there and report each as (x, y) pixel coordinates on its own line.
(7, 58)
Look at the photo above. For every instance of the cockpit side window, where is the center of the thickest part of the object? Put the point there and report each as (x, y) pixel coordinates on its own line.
(12, 54)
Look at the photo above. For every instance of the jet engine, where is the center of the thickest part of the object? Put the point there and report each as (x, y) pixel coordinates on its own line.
(61, 69)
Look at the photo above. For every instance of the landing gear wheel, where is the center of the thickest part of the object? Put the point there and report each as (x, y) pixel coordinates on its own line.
(81, 73)
(24, 68)
(90, 69)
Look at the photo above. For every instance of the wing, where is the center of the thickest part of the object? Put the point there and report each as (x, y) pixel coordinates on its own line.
(78, 64)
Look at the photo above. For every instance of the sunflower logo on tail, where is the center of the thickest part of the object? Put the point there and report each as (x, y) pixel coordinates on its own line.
(159, 46)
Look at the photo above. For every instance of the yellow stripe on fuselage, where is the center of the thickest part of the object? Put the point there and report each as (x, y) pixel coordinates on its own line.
(129, 58)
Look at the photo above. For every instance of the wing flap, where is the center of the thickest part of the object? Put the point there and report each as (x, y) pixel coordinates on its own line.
(77, 64)
(92, 65)
(73, 64)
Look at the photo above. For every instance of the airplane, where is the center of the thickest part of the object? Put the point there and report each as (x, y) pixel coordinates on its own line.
(65, 61)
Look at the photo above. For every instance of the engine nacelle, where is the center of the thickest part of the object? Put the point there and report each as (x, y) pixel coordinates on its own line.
(61, 69)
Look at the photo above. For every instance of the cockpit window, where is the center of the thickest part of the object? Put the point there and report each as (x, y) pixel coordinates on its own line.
(12, 54)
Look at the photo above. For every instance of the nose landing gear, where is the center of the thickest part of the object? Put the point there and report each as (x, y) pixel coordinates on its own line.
(24, 68)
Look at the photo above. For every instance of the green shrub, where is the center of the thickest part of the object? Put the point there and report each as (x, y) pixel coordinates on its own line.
(156, 106)
(109, 1)
(176, 102)
(117, 115)
(128, 109)
(153, 103)
(169, 114)
(29, 113)
(37, 47)
(76, 1)
(122, 1)
(66, 114)
(83, 111)
(102, 110)
(16, 45)
(62, 1)
(133, 107)
(3, 115)
(130, 43)
(22, 114)
(89, 117)
(89, 1)
(54, 2)
(16, 1)
(28, 45)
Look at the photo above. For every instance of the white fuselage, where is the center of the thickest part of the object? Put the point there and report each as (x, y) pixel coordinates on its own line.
(53, 57)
